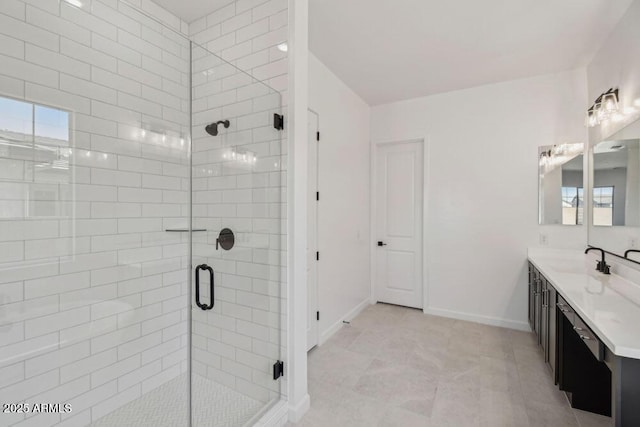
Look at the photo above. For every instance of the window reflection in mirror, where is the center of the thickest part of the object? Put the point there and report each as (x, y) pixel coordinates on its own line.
(616, 186)
(572, 205)
(560, 193)
(35, 152)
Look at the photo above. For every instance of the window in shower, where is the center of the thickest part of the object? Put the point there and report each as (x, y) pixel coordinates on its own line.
(35, 149)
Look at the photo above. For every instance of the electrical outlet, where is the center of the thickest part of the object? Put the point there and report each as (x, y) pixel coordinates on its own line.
(633, 242)
(543, 239)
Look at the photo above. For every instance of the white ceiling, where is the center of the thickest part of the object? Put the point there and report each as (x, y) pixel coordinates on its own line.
(190, 10)
(392, 50)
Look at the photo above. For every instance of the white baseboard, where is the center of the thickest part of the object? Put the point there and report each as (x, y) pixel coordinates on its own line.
(485, 320)
(324, 336)
(297, 412)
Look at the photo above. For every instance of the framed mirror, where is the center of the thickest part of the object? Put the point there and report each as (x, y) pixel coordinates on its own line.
(614, 179)
(560, 188)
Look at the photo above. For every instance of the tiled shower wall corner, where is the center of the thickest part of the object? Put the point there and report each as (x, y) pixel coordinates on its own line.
(247, 33)
(94, 309)
(238, 342)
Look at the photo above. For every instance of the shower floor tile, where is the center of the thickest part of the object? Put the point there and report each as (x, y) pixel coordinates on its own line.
(213, 405)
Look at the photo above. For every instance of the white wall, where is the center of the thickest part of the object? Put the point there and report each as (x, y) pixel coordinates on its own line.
(343, 210)
(617, 64)
(483, 186)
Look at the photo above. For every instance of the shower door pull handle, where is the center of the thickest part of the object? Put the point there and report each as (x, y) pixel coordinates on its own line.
(211, 285)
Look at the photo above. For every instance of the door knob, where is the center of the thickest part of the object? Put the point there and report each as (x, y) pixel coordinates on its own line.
(382, 244)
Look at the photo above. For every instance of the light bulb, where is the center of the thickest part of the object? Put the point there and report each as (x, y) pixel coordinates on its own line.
(609, 103)
(283, 47)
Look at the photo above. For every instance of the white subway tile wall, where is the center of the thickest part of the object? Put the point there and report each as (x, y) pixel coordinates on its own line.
(93, 291)
(239, 182)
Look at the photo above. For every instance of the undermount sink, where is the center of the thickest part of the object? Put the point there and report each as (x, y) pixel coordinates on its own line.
(569, 268)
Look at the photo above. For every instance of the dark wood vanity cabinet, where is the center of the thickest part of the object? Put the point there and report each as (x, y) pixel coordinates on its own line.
(542, 316)
(591, 375)
(532, 316)
(552, 347)
(584, 375)
(549, 326)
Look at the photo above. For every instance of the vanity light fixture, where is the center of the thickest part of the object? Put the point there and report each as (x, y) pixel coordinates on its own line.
(604, 108)
(558, 155)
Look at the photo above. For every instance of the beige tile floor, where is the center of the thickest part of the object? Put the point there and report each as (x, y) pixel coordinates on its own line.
(395, 366)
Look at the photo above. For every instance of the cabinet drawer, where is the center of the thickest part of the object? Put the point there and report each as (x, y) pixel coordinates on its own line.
(566, 309)
(589, 338)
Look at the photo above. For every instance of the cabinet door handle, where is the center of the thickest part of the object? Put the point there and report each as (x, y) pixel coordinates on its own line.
(576, 328)
(584, 337)
(565, 310)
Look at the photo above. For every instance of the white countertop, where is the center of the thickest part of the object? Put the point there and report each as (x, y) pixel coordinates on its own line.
(608, 304)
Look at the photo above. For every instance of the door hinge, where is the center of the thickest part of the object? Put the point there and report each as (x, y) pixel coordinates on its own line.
(278, 121)
(317, 315)
(278, 369)
(317, 136)
(317, 256)
(317, 195)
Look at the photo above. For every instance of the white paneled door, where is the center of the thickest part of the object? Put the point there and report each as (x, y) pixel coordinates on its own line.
(399, 201)
(312, 233)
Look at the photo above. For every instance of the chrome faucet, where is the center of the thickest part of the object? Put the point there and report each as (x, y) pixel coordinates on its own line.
(601, 266)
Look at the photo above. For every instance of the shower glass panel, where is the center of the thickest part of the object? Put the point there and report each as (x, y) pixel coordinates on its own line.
(236, 179)
(98, 318)
(94, 166)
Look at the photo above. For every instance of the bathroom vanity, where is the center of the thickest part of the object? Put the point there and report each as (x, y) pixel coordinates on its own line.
(587, 324)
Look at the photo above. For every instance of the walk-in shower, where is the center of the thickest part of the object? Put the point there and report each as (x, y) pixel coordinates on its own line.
(113, 196)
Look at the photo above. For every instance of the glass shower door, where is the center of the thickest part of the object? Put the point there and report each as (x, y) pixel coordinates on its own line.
(94, 168)
(236, 243)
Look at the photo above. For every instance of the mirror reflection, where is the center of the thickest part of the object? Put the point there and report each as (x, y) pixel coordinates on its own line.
(561, 192)
(616, 183)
